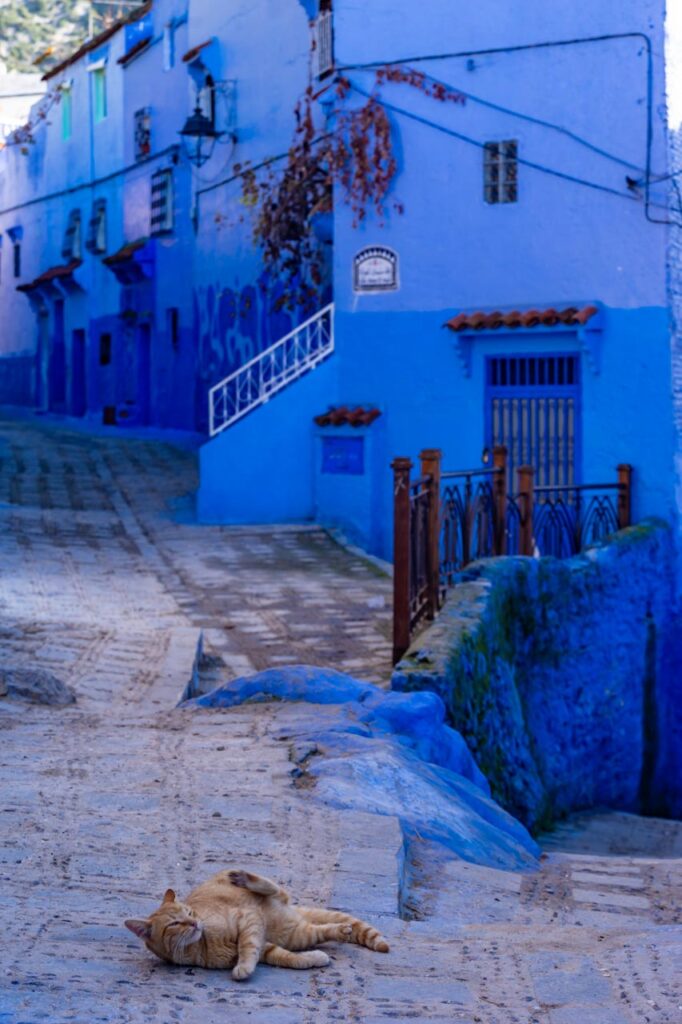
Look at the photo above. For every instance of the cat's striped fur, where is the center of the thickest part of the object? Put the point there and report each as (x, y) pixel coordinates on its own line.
(236, 919)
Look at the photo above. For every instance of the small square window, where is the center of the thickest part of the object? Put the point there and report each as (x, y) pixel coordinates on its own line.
(500, 171)
(104, 349)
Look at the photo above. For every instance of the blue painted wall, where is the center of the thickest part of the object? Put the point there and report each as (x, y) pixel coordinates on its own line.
(586, 110)
(563, 243)
(259, 471)
(563, 677)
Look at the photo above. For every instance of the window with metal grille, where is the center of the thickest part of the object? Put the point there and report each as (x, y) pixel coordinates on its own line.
(71, 246)
(324, 39)
(500, 172)
(97, 228)
(161, 219)
(533, 409)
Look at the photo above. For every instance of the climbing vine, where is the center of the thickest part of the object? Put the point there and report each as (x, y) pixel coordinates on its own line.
(358, 155)
(24, 136)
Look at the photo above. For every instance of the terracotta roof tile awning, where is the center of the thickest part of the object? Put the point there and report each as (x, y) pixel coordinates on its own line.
(125, 253)
(139, 46)
(58, 273)
(342, 415)
(98, 40)
(571, 316)
(61, 271)
(195, 51)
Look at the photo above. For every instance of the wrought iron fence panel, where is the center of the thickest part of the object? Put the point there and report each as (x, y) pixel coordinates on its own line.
(468, 524)
(514, 518)
(567, 520)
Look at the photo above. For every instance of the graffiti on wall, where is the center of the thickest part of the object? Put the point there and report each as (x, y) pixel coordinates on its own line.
(232, 325)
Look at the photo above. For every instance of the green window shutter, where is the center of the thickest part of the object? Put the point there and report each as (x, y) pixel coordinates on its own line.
(66, 114)
(99, 82)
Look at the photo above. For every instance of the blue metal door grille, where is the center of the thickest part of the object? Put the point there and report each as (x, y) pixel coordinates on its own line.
(533, 409)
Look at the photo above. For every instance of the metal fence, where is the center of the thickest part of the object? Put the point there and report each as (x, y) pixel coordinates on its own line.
(443, 521)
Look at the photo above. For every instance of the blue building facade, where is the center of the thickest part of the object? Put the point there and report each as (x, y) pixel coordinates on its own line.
(533, 163)
(521, 285)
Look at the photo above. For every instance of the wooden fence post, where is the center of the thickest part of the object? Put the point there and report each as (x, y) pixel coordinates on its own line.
(430, 459)
(624, 495)
(525, 489)
(500, 487)
(401, 556)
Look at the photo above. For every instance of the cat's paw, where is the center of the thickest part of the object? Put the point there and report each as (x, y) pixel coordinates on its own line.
(317, 958)
(239, 878)
(345, 931)
(241, 972)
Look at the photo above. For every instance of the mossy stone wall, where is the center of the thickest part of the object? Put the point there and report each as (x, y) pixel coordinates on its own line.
(562, 677)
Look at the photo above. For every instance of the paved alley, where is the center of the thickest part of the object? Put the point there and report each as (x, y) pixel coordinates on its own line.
(106, 582)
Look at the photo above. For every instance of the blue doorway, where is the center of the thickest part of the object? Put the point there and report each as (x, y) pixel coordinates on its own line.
(78, 380)
(532, 407)
(57, 362)
(144, 383)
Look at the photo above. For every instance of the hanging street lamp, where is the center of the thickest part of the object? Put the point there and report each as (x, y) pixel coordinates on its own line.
(199, 137)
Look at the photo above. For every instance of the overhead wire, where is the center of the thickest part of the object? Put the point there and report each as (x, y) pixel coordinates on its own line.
(532, 120)
(564, 175)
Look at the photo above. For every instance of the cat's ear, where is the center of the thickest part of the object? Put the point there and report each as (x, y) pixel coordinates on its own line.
(141, 928)
(169, 897)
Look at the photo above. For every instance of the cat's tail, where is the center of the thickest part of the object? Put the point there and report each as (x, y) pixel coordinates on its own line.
(361, 933)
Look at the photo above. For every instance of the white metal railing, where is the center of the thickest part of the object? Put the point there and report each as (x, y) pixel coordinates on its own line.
(266, 374)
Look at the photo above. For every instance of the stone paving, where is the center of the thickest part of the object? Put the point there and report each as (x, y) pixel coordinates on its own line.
(106, 583)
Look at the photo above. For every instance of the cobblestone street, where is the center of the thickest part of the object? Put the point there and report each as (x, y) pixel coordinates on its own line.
(106, 582)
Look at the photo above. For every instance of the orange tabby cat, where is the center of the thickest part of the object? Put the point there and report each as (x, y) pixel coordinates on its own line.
(236, 919)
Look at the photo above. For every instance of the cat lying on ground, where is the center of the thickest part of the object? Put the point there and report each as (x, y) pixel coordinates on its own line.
(236, 919)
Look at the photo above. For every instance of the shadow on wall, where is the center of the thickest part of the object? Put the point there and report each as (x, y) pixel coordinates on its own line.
(561, 676)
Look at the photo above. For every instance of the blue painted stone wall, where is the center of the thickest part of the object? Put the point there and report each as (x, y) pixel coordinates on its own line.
(563, 677)
(17, 380)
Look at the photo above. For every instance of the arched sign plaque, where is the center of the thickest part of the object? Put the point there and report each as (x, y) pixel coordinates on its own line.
(375, 269)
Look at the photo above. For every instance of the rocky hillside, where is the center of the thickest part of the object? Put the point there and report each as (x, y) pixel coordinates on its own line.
(29, 27)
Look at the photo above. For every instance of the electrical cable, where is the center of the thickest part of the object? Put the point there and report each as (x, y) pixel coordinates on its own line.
(533, 120)
(172, 149)
(480, 145)
(548, 44)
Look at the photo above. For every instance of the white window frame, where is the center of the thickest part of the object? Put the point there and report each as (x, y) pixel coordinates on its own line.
(324, 43)
(72, 248)
(97, 229)
(501, 171)
(169, 46)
